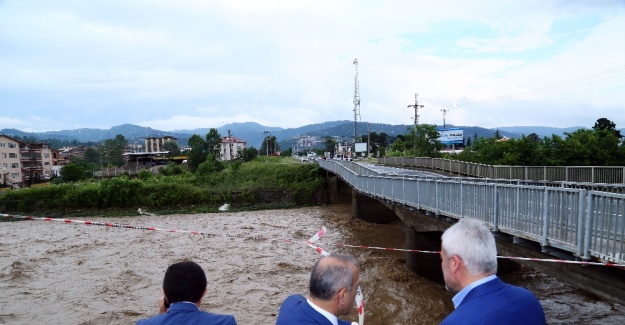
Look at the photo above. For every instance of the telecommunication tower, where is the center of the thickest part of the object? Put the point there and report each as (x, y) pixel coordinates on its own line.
(356, 99)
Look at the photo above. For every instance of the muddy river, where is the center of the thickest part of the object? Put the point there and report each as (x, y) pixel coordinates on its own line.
(67, 273)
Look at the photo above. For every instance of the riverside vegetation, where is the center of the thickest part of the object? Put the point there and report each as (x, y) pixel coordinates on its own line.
(263, 183)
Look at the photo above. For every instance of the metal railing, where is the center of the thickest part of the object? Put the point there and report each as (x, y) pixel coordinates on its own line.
(589, 174)
(589, 224)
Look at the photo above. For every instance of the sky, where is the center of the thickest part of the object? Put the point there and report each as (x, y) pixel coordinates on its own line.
(187, 64)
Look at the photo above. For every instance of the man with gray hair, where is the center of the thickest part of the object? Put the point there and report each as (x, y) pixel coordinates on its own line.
(469, 263)
(333, 286)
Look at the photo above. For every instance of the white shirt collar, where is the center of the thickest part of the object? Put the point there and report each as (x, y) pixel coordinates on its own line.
(457, 299)
(333, 319)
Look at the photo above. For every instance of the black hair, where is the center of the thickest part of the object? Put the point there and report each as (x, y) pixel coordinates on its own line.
(184, 281)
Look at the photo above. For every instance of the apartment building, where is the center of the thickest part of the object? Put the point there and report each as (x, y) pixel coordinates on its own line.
(231, 146)
(10, 161)
(23, 162)
(156, 144)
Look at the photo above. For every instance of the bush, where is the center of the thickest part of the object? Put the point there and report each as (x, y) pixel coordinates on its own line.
(250, 184)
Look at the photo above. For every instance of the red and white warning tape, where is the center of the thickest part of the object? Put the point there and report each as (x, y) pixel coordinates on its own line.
(315, 243)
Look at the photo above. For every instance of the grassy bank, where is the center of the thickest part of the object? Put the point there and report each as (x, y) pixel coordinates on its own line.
(261, 184)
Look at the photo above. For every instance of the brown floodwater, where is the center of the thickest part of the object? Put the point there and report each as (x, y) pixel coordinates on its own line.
(59, 273)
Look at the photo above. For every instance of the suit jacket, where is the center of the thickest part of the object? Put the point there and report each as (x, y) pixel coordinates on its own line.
(184, 313)
(496, 302)
(295, 310)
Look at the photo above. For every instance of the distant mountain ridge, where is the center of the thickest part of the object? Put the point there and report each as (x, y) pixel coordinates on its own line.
(541, 131)
(254, 133)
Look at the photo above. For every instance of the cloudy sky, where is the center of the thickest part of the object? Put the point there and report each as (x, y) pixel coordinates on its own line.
(185, 64)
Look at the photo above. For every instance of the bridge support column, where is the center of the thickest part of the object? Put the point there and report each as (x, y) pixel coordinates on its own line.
(338, 190)
(371, 210)
(424, 264)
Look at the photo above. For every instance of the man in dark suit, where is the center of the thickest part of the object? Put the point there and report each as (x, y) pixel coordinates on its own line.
(333, 287)
(184, 287)
(469, 263)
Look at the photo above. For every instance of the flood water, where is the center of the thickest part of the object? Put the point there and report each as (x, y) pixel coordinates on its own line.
(67, 273)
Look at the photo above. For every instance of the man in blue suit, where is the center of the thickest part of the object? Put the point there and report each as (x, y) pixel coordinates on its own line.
(333, 286)
(184, 287)
(469, 263)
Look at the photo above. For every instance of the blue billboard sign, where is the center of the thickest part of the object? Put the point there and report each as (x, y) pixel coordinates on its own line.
(451, 136)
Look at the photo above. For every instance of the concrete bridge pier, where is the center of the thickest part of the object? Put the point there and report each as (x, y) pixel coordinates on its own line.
(371, 210)
(339, 191)
(424, 264)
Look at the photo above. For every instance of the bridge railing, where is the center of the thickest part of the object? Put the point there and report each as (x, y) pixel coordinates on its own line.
(589, 174)
(589, 224)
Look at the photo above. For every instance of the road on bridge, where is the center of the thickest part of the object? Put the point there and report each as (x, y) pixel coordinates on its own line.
(395, 171)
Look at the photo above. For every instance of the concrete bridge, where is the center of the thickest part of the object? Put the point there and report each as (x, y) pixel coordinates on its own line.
(531, 219)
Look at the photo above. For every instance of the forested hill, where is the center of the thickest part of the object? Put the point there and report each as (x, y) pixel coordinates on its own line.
(255, 133)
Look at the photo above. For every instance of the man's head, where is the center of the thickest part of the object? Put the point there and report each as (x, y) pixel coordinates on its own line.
(468, 252)
(334, 280)
(184, 281)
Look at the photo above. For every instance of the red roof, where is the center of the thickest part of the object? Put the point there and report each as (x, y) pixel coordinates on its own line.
(232, 139)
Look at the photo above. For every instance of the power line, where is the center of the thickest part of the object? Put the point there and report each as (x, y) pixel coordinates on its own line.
(582, 80)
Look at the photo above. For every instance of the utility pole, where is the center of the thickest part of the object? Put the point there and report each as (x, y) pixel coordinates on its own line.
(368, 139)
(416, 110)
(230, 143)
(444, 111)
(356, 99)
(416, 117)
(267, 140)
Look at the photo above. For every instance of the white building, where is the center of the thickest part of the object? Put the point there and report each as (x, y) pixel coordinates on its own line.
(231, 147)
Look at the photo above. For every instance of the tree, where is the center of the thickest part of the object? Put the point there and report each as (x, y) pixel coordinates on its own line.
(287, 152)
(590, 148)
(378, 141)
(209, 166)
(533, 137)
(203, 149)
(420, 141)
(78, 169)
(72, 172)
(213, 143)
(113, 150)
(248, 154)
(92, 156)
(172, 147)
(426, 141)
(398, 147)
(197, 154)
(607, 125)
(330, 146)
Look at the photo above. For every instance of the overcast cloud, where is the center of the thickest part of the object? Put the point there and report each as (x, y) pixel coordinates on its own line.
(174, 65)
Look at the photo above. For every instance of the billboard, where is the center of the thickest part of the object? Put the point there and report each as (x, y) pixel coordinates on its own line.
(361, 147)
(451, 136)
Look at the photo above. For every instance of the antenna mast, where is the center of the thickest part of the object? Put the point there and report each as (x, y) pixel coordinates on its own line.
(356, 99)
(444, 111)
